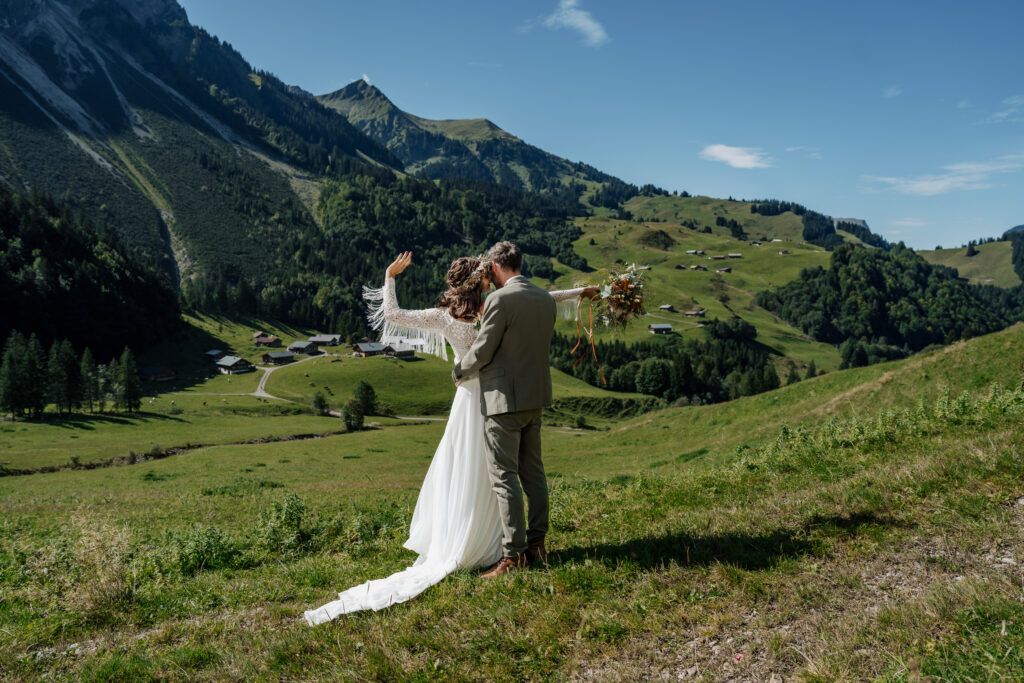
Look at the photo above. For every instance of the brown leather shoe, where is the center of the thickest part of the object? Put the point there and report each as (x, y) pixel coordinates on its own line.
(506, 565)
(536, 554)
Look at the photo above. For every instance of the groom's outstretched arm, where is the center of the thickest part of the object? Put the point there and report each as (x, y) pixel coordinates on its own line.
(492, 329)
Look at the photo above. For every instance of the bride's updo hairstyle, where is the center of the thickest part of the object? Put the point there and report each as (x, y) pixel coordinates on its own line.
(464, 297)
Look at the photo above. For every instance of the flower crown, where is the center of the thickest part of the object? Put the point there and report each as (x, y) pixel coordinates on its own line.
(473, 281)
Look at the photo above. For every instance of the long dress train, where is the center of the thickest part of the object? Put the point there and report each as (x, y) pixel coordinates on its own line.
(455, 524)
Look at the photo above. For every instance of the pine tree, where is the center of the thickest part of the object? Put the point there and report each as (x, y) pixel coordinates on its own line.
(131, 388)
(366, 397)
(64, 374)
(352, 415)
(34, 373)
(812, 370)
(57, 379)
(90, 380)
(12, 381)
(793, 377)
(320, 405)
(105, 386)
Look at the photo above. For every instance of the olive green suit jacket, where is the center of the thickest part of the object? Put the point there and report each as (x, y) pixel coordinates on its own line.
(510, 354)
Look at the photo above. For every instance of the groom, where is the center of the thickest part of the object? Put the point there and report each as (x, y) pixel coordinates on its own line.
(510, 356)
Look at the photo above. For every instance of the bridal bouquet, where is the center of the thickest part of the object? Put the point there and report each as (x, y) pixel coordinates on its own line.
(622, 297)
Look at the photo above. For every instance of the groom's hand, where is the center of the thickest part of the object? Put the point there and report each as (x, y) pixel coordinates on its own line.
(591, 292)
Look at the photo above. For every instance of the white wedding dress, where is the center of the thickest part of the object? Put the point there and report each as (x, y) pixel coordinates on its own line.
(455, 524)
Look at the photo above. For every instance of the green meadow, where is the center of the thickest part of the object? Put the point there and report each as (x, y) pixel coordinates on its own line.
(663, 247)
(992, 264)
(862, 525)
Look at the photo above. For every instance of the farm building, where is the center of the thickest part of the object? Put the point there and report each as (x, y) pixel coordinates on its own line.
(717, 258)
(267, 340)
(233, 365)
(279, 357)
(680, 266)
(783, 252)
(399, 350)
(659, 328)
(326, 339)
(691, 251)
(365, 349)
(214, 354)
(415, 343)
(698, 267)
(735, 255)
(306, 347)
(724, 270)
(698, 313)
(667, 307)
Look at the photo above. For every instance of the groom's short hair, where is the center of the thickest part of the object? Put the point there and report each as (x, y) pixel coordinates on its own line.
(506, 255)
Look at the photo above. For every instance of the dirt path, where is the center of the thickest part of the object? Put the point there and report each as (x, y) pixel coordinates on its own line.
(261, 390)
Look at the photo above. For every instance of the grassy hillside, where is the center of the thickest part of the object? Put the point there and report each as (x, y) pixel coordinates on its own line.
(990, 266)
(881, 547)
(663, 246)
(705, 210)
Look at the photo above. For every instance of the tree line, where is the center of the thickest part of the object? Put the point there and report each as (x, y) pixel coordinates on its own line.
(367, 217)
(31, 379)
(880, 305)
(728, 364)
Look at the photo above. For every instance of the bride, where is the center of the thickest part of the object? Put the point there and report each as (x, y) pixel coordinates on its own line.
(455, 524)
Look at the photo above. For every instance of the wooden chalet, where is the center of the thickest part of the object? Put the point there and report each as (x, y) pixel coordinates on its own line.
(669, 308)
(691, 251)
(306, 347)
(724, 270)
(267, 340)
(322, 340)
(366, 349)
(278, 357)
(659, 328)
(233, 365)
(214, 355)
(735, 255)
(399, 350)
(783, 252)
(698, 313)
(698, 267)
(717, 258)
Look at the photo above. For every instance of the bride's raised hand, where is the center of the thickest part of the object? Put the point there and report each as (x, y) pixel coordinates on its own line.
(400, 263)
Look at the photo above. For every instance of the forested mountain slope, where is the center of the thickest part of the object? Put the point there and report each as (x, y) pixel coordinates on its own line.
(125, 110)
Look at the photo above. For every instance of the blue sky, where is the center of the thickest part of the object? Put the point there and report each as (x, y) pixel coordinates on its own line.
(908, 114)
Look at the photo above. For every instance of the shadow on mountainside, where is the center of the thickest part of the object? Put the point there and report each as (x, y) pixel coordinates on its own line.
(749, 551)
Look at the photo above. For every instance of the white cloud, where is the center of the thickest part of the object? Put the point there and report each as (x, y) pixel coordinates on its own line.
(570, 16)
(367, 79)
(892, 91)
(964, 104)
(794, 149)
(971, 175)
(737, 157)
(1010, 111)
(909, 223)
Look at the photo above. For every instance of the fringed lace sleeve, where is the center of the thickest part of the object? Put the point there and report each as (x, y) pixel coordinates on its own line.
(423, 329)
(566, 301)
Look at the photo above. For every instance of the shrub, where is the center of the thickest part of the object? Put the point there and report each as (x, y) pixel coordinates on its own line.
(366, 397)
(320, 404)
(280, 529)
(205, 548)
(352, 415)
